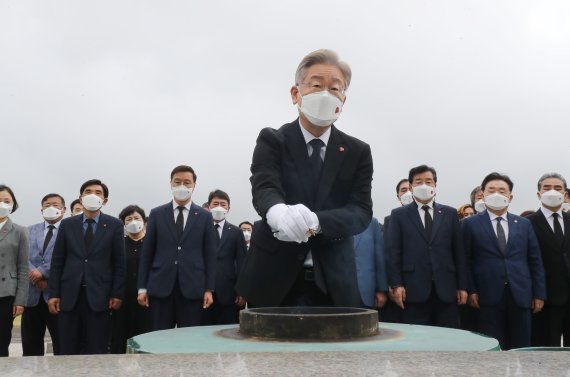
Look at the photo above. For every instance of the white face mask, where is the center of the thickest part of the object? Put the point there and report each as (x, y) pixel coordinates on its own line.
(406, 198)
(565, 207)
(5, 209)
(247, 235)
(92, 202)
(480, 205)
(134, 226)
(51, 213)
(218, 213)
(423, 192)
(182, 193)
(551, 198)
(496, 201)
(321, 108)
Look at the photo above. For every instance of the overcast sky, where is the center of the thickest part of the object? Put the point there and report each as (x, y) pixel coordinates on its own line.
(124, 91)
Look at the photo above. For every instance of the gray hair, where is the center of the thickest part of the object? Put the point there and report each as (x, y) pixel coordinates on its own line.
(322, 56)
(551, 175)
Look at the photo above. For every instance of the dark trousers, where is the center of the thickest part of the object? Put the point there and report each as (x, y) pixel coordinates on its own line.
(305, 292)
(34, 322)
(468, 317)
(507, 322)
(550, 324)
(174, 311)
(130, 320)
(82, 330)
(220, 314)
(391, 313)
(6, 323)
(432, 312)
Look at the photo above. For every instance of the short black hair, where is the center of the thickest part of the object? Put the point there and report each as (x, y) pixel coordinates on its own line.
(494, 176)
(183, 168)
(53, 195)
(95, 182)
(129, 210)
(73, 204)
(400, 183)
(7, 188)
(245, 223)
(218, 194)
(421, 169)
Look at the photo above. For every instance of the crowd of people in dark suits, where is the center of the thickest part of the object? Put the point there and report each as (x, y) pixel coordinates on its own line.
(94, 280)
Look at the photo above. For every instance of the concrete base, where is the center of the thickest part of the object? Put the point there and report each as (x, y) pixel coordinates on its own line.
(387, 364)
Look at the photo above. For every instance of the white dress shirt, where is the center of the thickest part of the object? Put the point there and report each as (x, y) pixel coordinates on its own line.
(548, 214)
(504, 223)
(221, 228)
(423, 213)
(309, 137)
(185, 212)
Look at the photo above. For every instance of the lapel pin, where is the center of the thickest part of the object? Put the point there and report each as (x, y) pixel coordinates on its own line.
(341, 149)
(104, 225)
(195, 213)
(439, 211)
(516, 221)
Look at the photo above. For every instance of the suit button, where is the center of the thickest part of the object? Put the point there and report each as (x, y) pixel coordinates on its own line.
(175, 262)
(3, 279)
(85, 260)
(300, 257)
(179, 247)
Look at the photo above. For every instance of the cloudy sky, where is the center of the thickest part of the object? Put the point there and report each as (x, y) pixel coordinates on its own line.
(126, 90)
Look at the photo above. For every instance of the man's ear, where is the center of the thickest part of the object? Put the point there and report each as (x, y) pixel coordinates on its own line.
(294, 91)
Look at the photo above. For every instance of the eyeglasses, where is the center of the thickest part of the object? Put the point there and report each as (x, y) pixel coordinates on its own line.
(317, 86)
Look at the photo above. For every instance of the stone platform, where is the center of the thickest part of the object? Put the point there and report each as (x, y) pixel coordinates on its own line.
(330, 364)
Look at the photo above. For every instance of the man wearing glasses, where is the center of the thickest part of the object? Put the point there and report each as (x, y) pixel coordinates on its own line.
(311, 184)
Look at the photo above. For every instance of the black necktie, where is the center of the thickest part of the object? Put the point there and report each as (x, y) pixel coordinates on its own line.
(217, 227)
(428, 221)
(180, 221)
(501, 236)
(558, 229)
(88, 238)
(49, 235)
(315, 160)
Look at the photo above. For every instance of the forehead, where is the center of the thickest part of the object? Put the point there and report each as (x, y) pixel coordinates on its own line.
(245, 226)
(324, 71)
(404, 186)
(552, 182)
(134, 214)
(4, 194)
(218, 200)
(53, 199)
(424, 175)
(497, 184)
(94, 188)
(183, 176)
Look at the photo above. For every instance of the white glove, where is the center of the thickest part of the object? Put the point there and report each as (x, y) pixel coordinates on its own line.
(292, 226)
(274, 215)
(310, 218)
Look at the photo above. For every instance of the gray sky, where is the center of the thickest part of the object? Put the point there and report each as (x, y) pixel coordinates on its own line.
(124, 91)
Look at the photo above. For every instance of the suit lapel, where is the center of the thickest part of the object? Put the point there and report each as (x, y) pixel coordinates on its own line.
(437, 219)
(168, 218)
(295, 144)
(38, 236)
(414, 216)
(6, 229)
(514, 229)
(485, 221)
(225, 234)
(192, 214)
(543, 223)
(77, 224)
(100, 232)
(566, 221)
(334, 157)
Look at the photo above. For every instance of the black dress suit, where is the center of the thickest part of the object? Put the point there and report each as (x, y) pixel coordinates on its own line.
(554, 320)
(281, 173)
(230, 255)
(84, 280)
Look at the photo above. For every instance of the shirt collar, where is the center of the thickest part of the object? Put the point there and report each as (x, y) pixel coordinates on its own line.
(548, 213)
(494, 216)
(430, 204)
(221, 223)
(309, 136)
(96, 218)
(56, 225)
(187, 206)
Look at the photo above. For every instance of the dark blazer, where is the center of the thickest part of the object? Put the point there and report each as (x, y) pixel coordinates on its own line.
(370, 263)
(190, 260)
(14, 262)
(556, 257)
(416, 260)
(102, 268)
(38, 259)
(521, 265)
(281, 174)
(230, 255)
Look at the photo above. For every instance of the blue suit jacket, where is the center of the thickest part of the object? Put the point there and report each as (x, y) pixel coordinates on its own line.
(39, 261)
(489, 269)
(102, 268)
(190, 260)
(230, 255)
(415, 261)
(370, 263)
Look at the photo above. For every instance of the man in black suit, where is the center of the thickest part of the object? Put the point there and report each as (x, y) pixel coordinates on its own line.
(178, 260)
(552, 228)
(427, 264)
(87, 274)
(230, 255)
(311, 184)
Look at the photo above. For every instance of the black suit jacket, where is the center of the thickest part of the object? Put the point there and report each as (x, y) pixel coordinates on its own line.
(555, 257)
(189, 260)
(102, 268)
(342, 202)
(230, 255)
